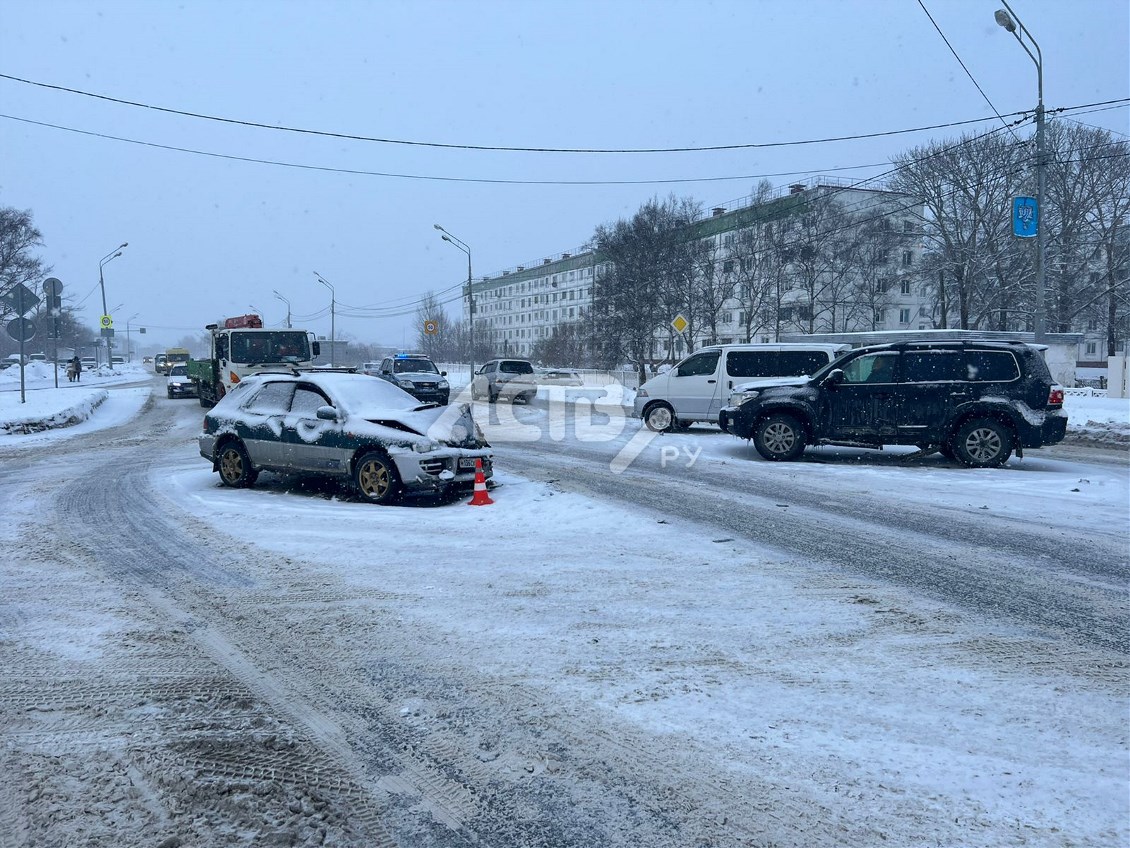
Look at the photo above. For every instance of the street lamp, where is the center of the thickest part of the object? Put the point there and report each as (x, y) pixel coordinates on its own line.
(109, 257)
(1011, 22)
(333, 344)
(129, 347)
(287, 302)
(462, 245)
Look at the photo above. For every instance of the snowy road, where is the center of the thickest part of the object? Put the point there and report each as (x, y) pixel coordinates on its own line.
(731, 653)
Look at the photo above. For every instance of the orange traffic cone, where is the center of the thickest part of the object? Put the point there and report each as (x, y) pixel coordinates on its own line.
(480, 497)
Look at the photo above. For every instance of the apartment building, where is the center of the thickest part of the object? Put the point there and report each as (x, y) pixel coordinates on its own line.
(522, 305)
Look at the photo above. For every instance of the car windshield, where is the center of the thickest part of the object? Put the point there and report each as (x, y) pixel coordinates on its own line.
(407, 366)
(273, 346)
(362, 396)
(178, 371)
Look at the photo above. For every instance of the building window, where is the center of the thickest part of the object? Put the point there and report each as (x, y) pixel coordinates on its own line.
(880, 316)
(1092, 348)
(728, 266)
(907, 258)
(904, 316)
(908, 226)
(726, 318)
(905, 287)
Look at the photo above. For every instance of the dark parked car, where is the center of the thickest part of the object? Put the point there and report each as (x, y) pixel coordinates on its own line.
(509, 379)
(975, 402)
(417, 375)
(343, 425)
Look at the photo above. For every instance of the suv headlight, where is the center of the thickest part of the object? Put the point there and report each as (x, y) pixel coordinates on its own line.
(442, 384)
(405, 384)
(740, 397)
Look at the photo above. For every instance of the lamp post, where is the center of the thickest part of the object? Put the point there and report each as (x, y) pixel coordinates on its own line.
(109, 257)
(333, 343)
(129, 347)
(1011, 22)
(462, 245)
(287, 302)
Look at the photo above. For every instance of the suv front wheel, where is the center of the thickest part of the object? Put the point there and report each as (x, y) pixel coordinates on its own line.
(779, 438)
(982, 443)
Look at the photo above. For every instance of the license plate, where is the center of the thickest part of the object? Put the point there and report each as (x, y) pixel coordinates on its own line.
(466, 463)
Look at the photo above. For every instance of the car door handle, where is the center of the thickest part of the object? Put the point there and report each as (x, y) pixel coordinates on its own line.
(712, 381)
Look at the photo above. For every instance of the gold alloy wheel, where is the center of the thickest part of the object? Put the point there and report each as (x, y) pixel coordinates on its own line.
(375, 478)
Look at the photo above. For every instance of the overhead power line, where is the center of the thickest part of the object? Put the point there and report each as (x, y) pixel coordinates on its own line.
(495, 148)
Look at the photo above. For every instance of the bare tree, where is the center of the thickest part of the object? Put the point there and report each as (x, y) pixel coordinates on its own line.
(430, 314)
(18, 240)
(645, 265)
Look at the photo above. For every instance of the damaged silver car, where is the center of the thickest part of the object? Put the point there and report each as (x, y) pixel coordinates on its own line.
(342, 425)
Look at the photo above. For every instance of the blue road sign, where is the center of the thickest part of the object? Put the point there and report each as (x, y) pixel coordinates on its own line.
(1025, 217)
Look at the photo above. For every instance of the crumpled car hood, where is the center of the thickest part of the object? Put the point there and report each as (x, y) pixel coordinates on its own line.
(450, 425)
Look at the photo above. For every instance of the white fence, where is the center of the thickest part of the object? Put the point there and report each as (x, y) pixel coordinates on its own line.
(1085, 391)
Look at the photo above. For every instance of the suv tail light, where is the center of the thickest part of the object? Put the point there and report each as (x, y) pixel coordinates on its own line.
(1055, 396)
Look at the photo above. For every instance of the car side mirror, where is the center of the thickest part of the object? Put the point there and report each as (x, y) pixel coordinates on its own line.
(443, 373)
(834, 378)
(316, 348)
(326, 413)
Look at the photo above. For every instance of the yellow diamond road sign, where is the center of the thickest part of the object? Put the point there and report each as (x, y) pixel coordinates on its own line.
(107, 322)
(680, 323)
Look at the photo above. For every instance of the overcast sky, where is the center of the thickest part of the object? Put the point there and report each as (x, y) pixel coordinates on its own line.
(212, 233)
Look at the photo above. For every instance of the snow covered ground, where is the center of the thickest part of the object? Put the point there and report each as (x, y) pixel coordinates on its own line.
(855, 694)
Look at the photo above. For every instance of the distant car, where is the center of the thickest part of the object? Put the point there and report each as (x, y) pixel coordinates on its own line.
(506, 379)
(148, 360)
(974, 402)
(178, 384)
(37, 357)
(417, 375)
(118, 360)
(346, 426)
(373, 369)
(159, 363)
(560, 377)
(88, 362)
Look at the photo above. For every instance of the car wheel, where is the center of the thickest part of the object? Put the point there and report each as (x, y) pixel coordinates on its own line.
(376, 479)
(235, 466)
(779, 438)
(659, 417)
(982, 443)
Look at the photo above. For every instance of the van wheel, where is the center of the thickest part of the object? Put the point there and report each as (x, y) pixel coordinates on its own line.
(659, 417)
(779, 438)
(982, 443)
(235, 466)
(376, 479)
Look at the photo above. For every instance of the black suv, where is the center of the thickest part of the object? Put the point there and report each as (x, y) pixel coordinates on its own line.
(417, 375)
(975, 402)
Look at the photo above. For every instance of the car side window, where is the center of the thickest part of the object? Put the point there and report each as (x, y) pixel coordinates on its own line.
(386, 366)
(871, 368)
(271, 399)
(699, 364)
(221, 347)
(306, 401)
(991, 366)
(933, 366)
(752, 363)
(795, 363)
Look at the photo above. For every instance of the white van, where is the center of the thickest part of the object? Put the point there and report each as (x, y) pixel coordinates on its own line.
(700, 385)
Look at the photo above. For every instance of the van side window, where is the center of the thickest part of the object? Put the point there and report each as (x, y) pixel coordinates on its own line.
(753, 363)
(796, 363)
(699, 364)
(221, 347)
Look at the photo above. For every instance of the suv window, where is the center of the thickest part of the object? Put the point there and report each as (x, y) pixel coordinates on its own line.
(699, 364)
(872, 368)
(513, 366)
(932, 366)
(991, 366)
